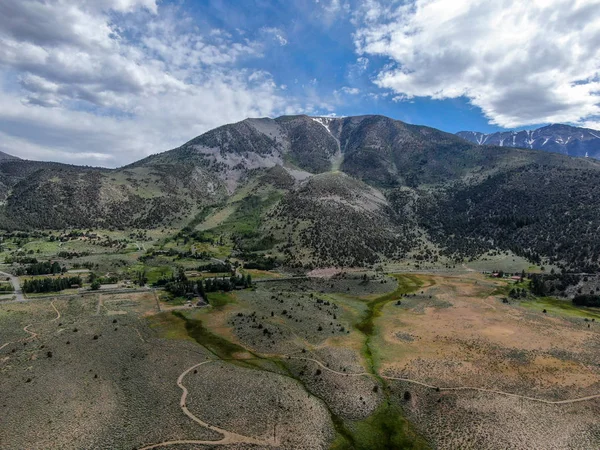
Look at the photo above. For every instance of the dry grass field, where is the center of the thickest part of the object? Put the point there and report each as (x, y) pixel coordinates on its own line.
(403, 361)
(522, 361)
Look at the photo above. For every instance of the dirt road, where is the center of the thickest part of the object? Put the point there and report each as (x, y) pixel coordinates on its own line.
(16, 285)
(229, 437)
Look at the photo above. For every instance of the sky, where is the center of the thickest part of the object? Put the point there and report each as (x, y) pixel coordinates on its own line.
(107, 82)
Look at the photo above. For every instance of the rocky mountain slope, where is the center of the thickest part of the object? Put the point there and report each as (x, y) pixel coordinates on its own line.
(313, 192)
(557, 138)
(51, 195)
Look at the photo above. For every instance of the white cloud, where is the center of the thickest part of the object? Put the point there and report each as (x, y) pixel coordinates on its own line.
(350, 90)
(277, 34)
(110, 81)
(331, 10)
(593, 123)
(520, 62)
(362, 63)
(401, 98)
(155, 124)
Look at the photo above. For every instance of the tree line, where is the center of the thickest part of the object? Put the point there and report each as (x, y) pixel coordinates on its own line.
(587, 300)
(41, 268)
(182, 287)
(38, 285)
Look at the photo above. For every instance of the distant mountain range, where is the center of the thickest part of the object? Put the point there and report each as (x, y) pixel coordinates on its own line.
(557, 138)
(319, 192)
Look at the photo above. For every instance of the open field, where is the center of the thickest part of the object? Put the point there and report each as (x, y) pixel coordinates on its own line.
(403, 361)
(455, 335)
(561, 308)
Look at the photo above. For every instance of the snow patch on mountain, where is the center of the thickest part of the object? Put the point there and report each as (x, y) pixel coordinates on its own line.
(325, 121)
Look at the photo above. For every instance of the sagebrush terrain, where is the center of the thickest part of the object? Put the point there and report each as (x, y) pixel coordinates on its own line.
(354, 358)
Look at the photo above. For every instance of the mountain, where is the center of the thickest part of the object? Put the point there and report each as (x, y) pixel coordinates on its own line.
(316, 191)
(376, 149)
(557, 138)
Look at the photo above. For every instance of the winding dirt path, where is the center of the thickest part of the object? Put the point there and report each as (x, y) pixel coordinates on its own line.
(457, 388)
(229, 437)
(139, 334)
(57, 312)
(32, 335)
(494, 391)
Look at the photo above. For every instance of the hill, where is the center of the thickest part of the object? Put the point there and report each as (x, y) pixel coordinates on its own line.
(52, 196)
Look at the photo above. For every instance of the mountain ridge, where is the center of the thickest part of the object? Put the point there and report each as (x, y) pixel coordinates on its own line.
(558, 138)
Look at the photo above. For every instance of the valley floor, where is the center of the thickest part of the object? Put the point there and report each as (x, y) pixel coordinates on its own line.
(419, 360)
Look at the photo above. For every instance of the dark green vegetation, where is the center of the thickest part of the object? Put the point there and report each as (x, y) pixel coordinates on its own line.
(43, 268)
(549, 293)
(331, 209)
(587, 300)
(537, 211)
(181, 286)
(553, 284)
(6, 287)
(219, 346)
(406, 285)
(49, 195)
(39, 285)
(386, 428)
